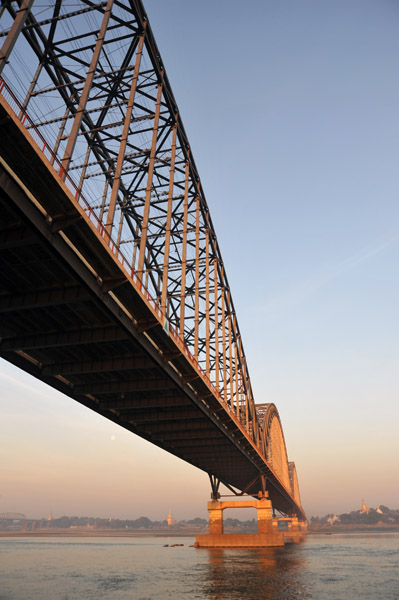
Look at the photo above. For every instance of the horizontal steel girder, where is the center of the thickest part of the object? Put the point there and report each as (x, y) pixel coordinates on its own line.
(183, 434)
(146, 402)
(16, 238)
(135, 385)
(42, 298)
(173, 428)
(141, 416)
(209, 443)
(57, 339)
(99, 366)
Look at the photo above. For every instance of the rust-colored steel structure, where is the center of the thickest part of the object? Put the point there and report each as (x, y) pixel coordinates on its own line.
(113, 288)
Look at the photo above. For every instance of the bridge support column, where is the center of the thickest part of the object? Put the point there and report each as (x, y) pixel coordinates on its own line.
(265, 537)
(265, 514)
(215, 512)
(294, 523)
(296, 530)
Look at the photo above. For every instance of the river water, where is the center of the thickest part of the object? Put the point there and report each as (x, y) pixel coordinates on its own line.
(323, 567)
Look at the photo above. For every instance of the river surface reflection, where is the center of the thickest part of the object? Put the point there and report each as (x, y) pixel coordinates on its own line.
(261, 574)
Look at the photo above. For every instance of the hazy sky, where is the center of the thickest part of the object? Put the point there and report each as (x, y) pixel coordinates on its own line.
(291, 108)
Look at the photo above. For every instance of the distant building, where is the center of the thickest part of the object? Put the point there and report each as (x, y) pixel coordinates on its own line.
(365, 510)
(333, 519)
(50, 516)
(169, 519)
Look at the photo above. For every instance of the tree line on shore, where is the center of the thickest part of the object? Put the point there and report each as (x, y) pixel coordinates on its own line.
(372, 516)
(65, 522)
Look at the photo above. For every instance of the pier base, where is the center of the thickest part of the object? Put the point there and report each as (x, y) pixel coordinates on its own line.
(239, 540)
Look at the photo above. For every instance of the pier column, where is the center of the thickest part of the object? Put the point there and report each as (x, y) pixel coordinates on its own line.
(294, 523)
(265, 514)
(215, 512)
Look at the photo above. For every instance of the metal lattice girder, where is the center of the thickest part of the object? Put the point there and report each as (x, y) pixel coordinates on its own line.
(94, 86)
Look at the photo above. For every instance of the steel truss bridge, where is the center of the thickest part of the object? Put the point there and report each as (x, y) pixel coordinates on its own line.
(113, 288)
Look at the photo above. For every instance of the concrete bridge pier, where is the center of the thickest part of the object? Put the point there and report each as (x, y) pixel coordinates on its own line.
(296, 530)
(294, 524)
(266, 536)
(265, 515)
(215, 514)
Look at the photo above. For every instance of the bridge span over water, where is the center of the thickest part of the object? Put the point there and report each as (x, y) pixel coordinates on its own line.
(113, 288)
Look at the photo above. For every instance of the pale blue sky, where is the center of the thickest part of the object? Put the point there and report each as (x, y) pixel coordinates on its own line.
(291, 108)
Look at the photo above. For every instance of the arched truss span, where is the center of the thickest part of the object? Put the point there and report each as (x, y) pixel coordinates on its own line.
(273, 443)
(12, 516)
(294, 483)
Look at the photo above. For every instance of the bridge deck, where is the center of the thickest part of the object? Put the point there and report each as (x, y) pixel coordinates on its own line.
(70, 316)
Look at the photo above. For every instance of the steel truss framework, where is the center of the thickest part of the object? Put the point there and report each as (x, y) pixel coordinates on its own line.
(89, 80)
(98, 93)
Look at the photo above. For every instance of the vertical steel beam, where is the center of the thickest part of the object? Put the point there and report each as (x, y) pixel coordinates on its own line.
(215, 483)
(224, 344)
(215, 268)
(118, 239)
(237, 394)
(231, 365)
(197, 250)
(84, 169)
(49, 41)
(184, 253)
(263, 483)
(207, 349)
(86, 91)
(103, 202)
(135, 246)
(31, 88)
(125, 134)
(241, 409)
(144, 226)
(168, 222)
(244, 383)
(60, 134)
(14, 32)
(234, 341)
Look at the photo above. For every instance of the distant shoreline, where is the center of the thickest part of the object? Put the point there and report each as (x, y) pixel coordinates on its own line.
(99, 533)
(166, 534)
(352, 529)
